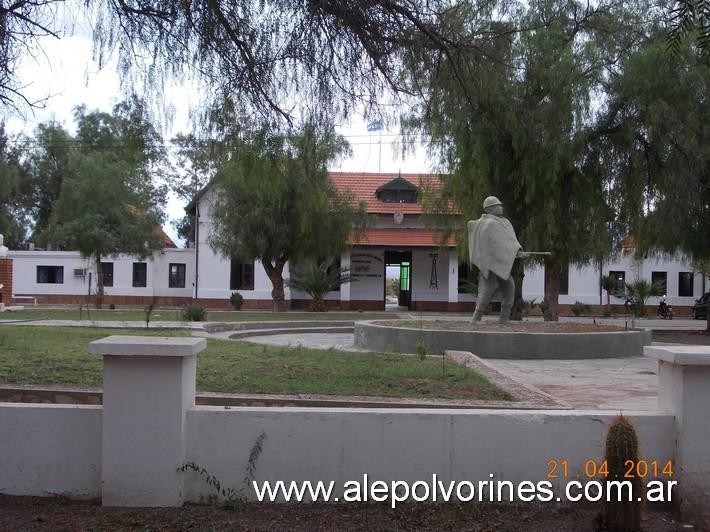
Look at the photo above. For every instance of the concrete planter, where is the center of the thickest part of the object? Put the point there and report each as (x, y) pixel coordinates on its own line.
(374, 336)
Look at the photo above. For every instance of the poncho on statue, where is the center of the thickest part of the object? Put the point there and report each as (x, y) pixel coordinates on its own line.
(492, 245)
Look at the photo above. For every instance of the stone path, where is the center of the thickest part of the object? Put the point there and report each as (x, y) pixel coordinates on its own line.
(606, 384)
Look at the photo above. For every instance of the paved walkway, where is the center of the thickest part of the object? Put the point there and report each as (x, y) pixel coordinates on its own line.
(339, 341)
(617, 383)
(604, 384)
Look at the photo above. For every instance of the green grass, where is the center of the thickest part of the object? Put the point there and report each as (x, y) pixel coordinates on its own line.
(172, 314)
(58, 355)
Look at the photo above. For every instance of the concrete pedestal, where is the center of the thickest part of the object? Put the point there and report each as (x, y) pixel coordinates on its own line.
(684, 390)
(149, 384)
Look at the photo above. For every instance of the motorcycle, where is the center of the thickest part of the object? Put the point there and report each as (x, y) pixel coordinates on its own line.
(664, 311)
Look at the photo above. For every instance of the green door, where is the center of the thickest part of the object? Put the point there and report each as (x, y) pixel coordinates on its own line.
(404, 288)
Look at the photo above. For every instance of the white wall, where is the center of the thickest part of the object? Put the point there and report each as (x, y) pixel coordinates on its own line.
(583, 284)
(342, 444)
(673, 268)
(367, 266)
(534, 282)
(214, 269)
(24, 272)
(25, 263)
(56, 449)
(50, 450)
(161, 267)
(584, 280)
(421, 275)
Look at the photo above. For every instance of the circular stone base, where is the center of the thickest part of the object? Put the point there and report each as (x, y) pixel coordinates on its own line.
(517, 340)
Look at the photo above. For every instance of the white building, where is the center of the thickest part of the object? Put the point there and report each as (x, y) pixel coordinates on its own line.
(429, 273)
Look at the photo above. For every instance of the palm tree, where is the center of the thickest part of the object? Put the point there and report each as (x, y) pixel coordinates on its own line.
(608, 284)
(639, 291)
(316, 281)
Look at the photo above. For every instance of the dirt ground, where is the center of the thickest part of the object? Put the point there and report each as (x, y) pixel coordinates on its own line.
(682, 337)
(58, 514)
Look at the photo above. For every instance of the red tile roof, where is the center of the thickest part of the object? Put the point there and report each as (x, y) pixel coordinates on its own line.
(364, 186)
(401, 237)
(629, 242)
(162, 235)
(167, 241)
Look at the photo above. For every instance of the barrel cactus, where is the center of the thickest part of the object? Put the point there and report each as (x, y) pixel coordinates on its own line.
(621, 458)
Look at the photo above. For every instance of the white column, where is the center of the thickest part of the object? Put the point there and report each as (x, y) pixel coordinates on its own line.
(684, 390)
(149, 384)
(453, 277)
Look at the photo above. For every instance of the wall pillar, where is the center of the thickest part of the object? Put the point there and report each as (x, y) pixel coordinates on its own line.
(6, 282)
(684, 391)
(345, 287)
(149, 385)
(453, 277)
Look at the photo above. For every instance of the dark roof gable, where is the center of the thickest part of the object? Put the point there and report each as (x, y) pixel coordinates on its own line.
(399, 184)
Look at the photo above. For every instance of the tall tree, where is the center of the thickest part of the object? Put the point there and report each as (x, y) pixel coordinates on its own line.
(521, 128)
(689, 21)
(48, 163)
(13, 187)
(275, 202)
(109, 202)
(22, 23)
(280, 57)
(197, 161)
(657, 149)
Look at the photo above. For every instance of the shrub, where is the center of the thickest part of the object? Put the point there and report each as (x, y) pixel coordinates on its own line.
(580, 308)
(316, 281)
(608, 284)
(422, 349)
(148, 310)
(529, 307)
(194, 312)
(638, 293)
(237, 300)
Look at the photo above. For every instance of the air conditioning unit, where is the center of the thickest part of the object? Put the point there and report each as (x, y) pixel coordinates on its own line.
(80, 272)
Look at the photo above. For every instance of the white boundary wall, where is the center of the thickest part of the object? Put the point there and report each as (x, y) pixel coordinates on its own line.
(50, 450)
(342, 444)
(129, 450)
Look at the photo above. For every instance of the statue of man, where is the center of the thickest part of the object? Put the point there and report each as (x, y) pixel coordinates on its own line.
(493, 247)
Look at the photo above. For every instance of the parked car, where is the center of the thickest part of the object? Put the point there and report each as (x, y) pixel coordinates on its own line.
(700, 309)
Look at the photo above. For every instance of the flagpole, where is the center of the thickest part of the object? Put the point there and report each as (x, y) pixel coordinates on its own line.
(379, 159)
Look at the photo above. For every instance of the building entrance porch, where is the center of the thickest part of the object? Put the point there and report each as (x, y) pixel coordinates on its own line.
(401, 260)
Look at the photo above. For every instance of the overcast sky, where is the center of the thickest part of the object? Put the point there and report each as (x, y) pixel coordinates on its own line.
(65, 71)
